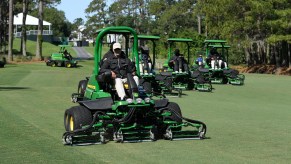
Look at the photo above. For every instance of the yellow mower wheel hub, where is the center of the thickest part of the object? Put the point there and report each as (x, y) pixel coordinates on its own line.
(71, 123)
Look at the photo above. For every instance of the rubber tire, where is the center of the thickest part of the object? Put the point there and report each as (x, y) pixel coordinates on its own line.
(147, 87)
(66, 119)
(81, 116)
(168, 84)
(175, 107)
(162, 128)
(68, 65)
(82, 87)
(224, 80)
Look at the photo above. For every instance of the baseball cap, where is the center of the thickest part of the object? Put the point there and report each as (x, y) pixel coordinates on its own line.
(116, 45)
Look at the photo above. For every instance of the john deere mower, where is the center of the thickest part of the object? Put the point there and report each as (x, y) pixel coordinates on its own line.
(171, 80)
(61, 59)
(101, 116)
(217, 67)
(148, 72)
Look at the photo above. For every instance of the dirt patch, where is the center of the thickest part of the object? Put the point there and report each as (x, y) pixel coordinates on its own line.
(264, 69)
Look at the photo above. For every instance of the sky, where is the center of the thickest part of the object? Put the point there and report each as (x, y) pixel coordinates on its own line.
(75, 8)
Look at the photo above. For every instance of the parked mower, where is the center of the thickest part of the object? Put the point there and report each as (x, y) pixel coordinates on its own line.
(61, 59)
(217, 67)
(101, 116)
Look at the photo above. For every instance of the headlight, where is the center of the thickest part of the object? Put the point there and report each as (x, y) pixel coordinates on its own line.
(129, 101)
(139, 100)
(147, 99)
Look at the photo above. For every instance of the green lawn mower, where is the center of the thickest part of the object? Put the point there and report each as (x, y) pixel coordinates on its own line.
(62, 58)
(201, 78)
(171, 80)
(217, 68)
(101, 117)
(147, 63)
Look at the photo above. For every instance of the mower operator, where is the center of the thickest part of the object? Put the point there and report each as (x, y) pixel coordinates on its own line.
(178, 62)
(200, 61)
(119, 65)
(67, 55)
(146, 64)
(108, 55)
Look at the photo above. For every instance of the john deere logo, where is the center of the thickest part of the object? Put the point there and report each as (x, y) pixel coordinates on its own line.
(91, 86)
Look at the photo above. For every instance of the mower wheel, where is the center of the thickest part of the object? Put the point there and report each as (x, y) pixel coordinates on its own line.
(82, 87)
(68, 65)
(175, 110)
(210, 87)
(180, 93)
(147, 87)
(224, 80)
(153, 133)
(76, 117)
(168, 82)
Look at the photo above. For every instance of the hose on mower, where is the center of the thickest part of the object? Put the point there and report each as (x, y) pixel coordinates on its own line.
(127, 118)
(204, 127)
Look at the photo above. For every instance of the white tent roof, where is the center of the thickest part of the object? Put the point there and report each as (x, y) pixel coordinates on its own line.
(30, 20)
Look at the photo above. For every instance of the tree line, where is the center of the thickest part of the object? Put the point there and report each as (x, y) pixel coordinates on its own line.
(258, 31)
(38, 8)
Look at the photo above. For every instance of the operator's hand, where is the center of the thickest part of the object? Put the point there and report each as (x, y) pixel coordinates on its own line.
(133, 73)
(113, 75)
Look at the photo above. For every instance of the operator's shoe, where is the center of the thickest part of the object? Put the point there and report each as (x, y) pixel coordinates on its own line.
(124, 98)
(180, 70)
(176, 72)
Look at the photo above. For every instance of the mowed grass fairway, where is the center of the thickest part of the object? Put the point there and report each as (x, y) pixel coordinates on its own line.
(246, 124)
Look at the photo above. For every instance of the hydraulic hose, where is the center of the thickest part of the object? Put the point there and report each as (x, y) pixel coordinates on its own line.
(204, 127)
(127, 118)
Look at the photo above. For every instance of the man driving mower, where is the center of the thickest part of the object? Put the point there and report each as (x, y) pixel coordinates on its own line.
(119, 66)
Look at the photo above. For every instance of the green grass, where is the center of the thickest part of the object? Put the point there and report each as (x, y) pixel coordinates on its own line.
(246, 124)
(47, 48)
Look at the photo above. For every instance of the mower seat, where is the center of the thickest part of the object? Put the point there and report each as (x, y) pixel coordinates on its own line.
(227, 71)
(203, 70)
(98, 104)
(166, 73)
(232, 73)
(195, 74)
(104, 77)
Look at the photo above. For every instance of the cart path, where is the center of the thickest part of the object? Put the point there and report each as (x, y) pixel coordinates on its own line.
(82, 53)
